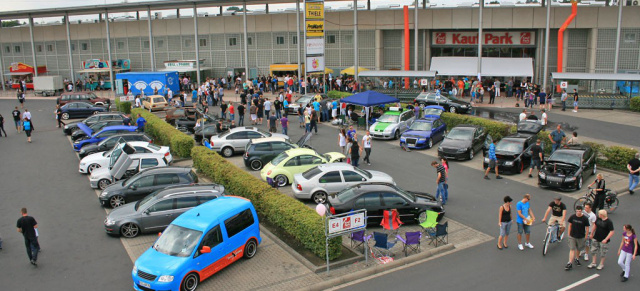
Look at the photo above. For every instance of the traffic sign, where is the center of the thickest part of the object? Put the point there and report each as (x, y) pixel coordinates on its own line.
(346, 223)
(564, 84)
(424, 82)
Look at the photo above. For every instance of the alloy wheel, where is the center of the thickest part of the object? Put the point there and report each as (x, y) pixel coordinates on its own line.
(130, 230)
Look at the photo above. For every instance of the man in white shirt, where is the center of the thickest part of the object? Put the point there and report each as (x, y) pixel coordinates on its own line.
(523, 115)
(26, 114)
(169, 94)
(543, 119)
(592, 223)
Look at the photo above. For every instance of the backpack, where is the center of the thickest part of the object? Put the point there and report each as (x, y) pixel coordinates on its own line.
(27, 125)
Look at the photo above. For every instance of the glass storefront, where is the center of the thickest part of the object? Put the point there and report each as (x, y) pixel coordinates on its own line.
(495, 52)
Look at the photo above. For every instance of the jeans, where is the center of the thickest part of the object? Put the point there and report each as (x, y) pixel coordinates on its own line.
(231, 116)
(32, 248)
(354, 160)
(367, 152)
(278, 113)
(314, 125)
(223, 115)
(564, 105)
(284, 130)
(325, 115)
(267, 113)
(240, 119)
(554, 147)
(633, 181)
(624, 261)
(307, 127)
(442, 193)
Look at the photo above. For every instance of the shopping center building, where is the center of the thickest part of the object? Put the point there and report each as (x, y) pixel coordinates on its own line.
(509, 32)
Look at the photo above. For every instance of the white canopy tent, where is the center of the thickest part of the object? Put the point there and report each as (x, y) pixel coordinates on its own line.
(493, 67)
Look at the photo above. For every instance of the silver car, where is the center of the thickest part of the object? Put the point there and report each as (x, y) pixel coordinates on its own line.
(323, 180)
(236, 139)
(158, 209)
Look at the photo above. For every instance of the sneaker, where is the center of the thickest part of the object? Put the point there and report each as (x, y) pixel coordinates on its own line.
(577, 262)
(369, 164)
(591, 266)
(487, 178)
(631, 192)
(498, 177)
(522, 248)
(529, 245)
(34, 263)
(600, 267)
(624, 279)
(622, 274)
(568, 266)
(586, 257)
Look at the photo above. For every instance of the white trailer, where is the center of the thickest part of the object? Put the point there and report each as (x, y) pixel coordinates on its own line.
(48, 85)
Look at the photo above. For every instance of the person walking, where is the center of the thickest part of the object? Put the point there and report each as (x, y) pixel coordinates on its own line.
(557, 138)
(558, 214)
(28, 127)
(241, 109)
(314, 119)
(2, 126)
(59, 116)
(575, 100)
(21, 97)
(504, 222)
(592, 220)
(366, 144)
(284, 121)
(140, 122)
(634, 172)
(17, 118)
(342, 141)
(544, 118)
(600, 236)
(536, 158)
(273, 123)
(232, 111)
(542, 97)
(563, 98)
(524, 219)
(28, 226)
(598, 201)
(348, 150)
(354, 152)
(440, 181)
(493, 161)
(578, 228)
(253, 111)
(627, 251)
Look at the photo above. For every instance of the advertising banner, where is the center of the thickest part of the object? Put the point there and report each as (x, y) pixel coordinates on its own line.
(315, 28)
(491, 38)
(315, 64)
(315, 46)
(314, 10)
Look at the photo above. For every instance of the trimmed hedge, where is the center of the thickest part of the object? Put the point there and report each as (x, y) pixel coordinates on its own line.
(613, 157)
(333, 94)
(165, 134)
(300, 221)
(124, 107)
(635, 104)
(496, 129)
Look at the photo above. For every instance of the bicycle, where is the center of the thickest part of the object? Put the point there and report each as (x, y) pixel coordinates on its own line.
(551, 237)
(610, 201)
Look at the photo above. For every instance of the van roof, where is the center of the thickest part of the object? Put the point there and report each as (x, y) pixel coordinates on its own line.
(201, 218)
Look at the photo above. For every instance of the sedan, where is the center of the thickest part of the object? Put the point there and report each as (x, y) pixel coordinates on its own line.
(102, 135)
(236, 139)
(174, 113)
(283, 167)
(99, 160)
(513, 153)
(378, 197)
(463, 141)
(305, 100)
(319, 182)
(72, 126)
(567, 167)
(80, 109)
(423, 133)
(448, 102)
(110, 142)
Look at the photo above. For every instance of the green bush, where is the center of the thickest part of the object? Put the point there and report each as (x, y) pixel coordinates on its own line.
(496, 129)
(300, 221)
(333, 94)
(124, 107)
(635, 104)
(165, 134)
(613, 157)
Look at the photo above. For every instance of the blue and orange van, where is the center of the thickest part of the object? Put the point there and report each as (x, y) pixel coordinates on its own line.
(199, 243)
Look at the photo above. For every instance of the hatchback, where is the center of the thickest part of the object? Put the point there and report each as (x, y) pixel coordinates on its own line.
(260, 152)
(154, 102)
(102, 135)
(110, 142)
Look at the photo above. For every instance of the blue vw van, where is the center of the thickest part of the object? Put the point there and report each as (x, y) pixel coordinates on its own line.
(198, 244)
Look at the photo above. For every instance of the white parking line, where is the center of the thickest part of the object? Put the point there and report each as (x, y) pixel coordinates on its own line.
(576, 284)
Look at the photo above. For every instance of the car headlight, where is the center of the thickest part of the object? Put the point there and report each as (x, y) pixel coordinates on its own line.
(570, 179)
(66, 127)
(104, 193)
(402, 139)
(542, 175)
(135, 269)
(76, 142)
(440, 149)
(422, 139)
(109, 221)
(462, 150)
(509, 163)
(165, 278)
(463, 106)
(82, 164)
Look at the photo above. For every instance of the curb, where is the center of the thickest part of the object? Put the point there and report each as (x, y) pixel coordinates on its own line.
(617, 191)
(365, 274)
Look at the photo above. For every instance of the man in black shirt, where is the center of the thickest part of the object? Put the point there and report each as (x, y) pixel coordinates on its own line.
(600, 237)
(536, 157)
(16, 118)
(241, 114)
(223, 110)
(273, 124)
(558, 214)
(5, 135)
(441, 192)
(634, 172)
(27, 225)
(578, 228)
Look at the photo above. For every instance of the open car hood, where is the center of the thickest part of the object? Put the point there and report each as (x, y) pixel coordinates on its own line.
(304, 140)
(86, 129)
(529, 127)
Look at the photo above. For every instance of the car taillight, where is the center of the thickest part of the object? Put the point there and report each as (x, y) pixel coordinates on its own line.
(151, 141)
(269, 173)
(332, 210)
(166, 154)
(299, 187)
(246, 154)
(211, 144)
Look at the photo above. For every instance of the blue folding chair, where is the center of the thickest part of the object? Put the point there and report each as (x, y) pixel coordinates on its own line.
(383, 244)
(439, 234)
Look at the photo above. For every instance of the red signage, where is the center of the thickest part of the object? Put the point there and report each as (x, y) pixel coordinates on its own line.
(494, 38)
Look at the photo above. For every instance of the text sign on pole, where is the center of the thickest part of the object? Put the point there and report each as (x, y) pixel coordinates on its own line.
(314, 10)
(346, 223)
(315, 28)
(315, 64)
(564, 85)
(315, 46)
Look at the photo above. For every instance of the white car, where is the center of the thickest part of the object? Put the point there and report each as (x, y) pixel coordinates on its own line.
(99, 160)
(319, 182)
(101, 177)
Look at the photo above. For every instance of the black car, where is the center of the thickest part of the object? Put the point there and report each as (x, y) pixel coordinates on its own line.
(209, 130)
(80, 109)
(187, 124)
(73, 126)
(260, 152)
(450, 103)
(463, 141)
(145, 182)
(567, 167)
(96, 127)
(110, 142)
(514, 151)
(376, 197)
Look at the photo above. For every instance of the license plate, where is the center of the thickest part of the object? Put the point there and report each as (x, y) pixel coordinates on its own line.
(146, 285)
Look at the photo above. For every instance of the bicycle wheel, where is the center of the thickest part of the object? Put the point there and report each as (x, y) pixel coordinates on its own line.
(582, 201)
(545, 245)
(611, 207)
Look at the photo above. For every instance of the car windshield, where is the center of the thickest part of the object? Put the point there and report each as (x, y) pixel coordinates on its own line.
(304, 99)
(566, 157)
(177, 241)
(388, 118)
(153, 147)
(363, 172)
(158, 100)
(346, 194)
(421, 126)
(432, 111)
(97, 126)
(308, 174)
(146, 199)
(512, 146)
(460, 134)
(281, 157)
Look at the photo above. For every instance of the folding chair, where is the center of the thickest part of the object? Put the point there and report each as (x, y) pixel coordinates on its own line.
(382, 244)
(440, 234)
(430, 222)
(391, 220)
(358, 238)
(411, 242)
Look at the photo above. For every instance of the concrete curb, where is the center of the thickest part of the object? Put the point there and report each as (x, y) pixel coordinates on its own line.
(377, 269)
(617, 191)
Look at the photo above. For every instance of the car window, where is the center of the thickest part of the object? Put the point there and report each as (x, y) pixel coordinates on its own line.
(280, 146)
(310, 160)
(254, 134)
(211, 239)
(158, 100)
(145, 181)
(369, 200)
(392, 200)
(111, 142)
(83, 105)
(76, 97)
(263, 147)
(431, 97)
(210, 129)
(292, 162)
(186, 202)
(65, 98)
(238, 135)
(238, 222)
(141, 150)
(163, 205)
(72, 105)
(106, 133)
(204, 199)
(351, 176)
(331, 177)
(165, 179)
(149, 163)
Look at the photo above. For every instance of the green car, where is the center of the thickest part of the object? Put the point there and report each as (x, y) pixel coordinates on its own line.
(392, 123)
(284, 166)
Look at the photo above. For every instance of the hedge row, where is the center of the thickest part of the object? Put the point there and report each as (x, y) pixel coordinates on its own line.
(165, 134)
(124, 107)
(333, 94)
(613, 157)
(635, 104)
(300, 221)
(496, 129)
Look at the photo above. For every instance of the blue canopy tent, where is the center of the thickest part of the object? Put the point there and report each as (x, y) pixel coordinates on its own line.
(368, 99)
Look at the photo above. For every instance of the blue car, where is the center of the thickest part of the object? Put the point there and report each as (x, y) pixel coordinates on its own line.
(423, 133)
(433, 111)
(80, 109)
(101, 135)
(198, 244)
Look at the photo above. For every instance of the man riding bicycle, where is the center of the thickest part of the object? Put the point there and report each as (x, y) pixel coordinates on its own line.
(558, 214)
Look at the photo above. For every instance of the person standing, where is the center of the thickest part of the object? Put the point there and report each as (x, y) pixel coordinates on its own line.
(59, 116)
(504, 222)
(536, 157)
(544, 119)
(285, 105)
(558, 214)
(563, 98)
(21, 98)
(194, 96)
(307, 121)
(574, 139)
(627, 251)
(557, 138)
(267, 107)
(351, 132)
(634, 172)
(277, 105)
(28, 226)
(315, 118)
(26, 114)
(575, 100)
(342, 141)
(542, 96)
(17, 118)
(441, 194)
(598, 201)
(253, 110)
(232, 111)
(2, 126)
(273, 123)
(592, 220)
(523, 115)
(524, 219)
(223, 110)
(27, 125)
(355, 151)
(348, 150)
(493, 161)
(497, 89)
(241, 110)
(578, 228)
(366, 144)
(284, 121)
(140, 122)
(600, 237)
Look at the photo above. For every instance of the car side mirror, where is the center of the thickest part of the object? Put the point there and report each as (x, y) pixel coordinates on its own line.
(363, 179)
(205, 250)
(146, 212)
(133, 187)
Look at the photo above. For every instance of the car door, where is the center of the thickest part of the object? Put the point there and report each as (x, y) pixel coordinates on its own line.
(140, 187)
(209, 263)
(276, 148)
(263, 152)
(85, 109)
(308, 162)
(331, 181)
(159, 215)
(238, 140)
(391, 200)
(370, 202)
(352, 178)
(165, 179)
(72, 109)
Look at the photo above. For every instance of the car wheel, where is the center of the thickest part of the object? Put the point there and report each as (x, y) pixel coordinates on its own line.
(116, 201)
(256, 165)
(319, 197)
(227, 152)
(471, 154)
(103, 184)
(65, 116)
(452, 109)
(396, 135)
(129, 230)
(579, 185)
(92, 167)
(250, 249)
(281, 180)
(430, 145)
(190, 282)
(90, 153)
(595, 169)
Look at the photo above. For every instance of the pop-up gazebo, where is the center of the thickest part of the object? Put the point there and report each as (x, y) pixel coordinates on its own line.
(368, 99)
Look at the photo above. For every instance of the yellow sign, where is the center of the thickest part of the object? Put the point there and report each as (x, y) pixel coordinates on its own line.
(315, 28)
(315, 10)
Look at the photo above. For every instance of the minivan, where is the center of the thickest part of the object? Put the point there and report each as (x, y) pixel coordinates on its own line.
(198, 244)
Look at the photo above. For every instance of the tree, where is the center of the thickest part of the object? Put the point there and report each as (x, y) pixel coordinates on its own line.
(10, 23)
(235, 8)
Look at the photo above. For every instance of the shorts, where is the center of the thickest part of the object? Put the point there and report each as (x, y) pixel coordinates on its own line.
(492, 163)
(542, 101)
(599, 248)
(28, 132)
(553, 219)
(536, 164)
(21, 100)
(576, 244)
(18, 122)
(253, 117)
(334, 113)
(505, 228)
(575, 103)
(524, 228)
